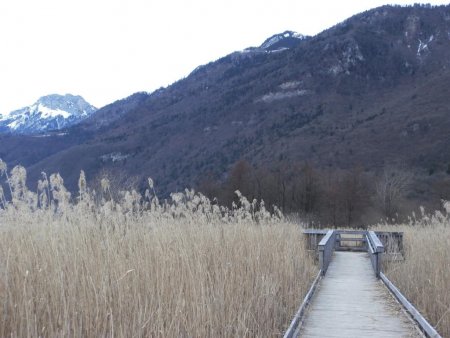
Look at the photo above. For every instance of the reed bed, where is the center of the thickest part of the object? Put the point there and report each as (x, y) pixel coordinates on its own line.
(141, 268)
(424, 275)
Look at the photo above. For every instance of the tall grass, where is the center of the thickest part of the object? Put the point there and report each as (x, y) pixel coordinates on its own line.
(424, 275)
(140, 268)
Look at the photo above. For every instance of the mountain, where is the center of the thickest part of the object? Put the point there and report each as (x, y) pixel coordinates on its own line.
(369, 92)
(279, 42)
(52, 112)
(112, 112)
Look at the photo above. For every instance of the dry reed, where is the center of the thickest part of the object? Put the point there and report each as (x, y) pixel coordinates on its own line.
(140, 269)
(424, 275)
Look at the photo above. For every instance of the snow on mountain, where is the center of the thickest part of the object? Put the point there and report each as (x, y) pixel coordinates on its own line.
(277, 43)
(52, 112)
(283, 40)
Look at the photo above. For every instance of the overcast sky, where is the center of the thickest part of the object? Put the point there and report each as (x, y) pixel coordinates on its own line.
(106, 50)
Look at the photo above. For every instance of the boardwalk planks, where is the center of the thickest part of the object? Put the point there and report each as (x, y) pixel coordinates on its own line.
(352, 302)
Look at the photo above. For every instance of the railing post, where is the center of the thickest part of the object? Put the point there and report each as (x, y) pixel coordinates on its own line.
(321, 261)
(326, 247)
(377, 265)
(377, 249)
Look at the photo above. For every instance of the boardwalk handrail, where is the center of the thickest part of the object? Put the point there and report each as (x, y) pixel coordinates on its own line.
(392, 241)
(375, 241)
(326, 248)
(375, 249)
(415, 314)
(296, 321)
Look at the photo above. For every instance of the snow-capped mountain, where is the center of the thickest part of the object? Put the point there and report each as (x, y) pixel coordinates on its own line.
(277, 43)
(285, 40)
(52, 112)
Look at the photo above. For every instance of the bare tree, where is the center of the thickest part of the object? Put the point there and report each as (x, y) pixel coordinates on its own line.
(354, 196)
(267, 187)
(330, 203)
(305, 189)
(391, 187)
(240, 178)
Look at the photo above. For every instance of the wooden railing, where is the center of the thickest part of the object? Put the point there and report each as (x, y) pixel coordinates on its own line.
(313, 238)
(375, 249)
(392, 242)
(426, 327)
(350, 240)
(362, 241)
(296, 322)
(375, 243)
(326, 248)
(353, 240)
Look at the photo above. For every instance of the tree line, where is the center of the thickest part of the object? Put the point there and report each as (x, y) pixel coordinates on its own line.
(353, 198)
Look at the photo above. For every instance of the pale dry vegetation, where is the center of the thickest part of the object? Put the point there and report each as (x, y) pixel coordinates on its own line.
(424, 275)
(92, 267)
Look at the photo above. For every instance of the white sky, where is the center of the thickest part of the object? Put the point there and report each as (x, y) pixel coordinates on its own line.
(106, 50)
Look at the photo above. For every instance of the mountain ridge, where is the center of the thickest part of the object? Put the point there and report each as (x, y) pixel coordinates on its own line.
(366, 92)
(50, 112)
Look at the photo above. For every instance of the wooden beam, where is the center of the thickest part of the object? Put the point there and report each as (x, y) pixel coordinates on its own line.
(415, 314)
(375, 241)
(297, 320)
(315, 231)
(326, 248)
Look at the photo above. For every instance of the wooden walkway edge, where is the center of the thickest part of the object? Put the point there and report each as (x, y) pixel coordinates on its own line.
(351, 302)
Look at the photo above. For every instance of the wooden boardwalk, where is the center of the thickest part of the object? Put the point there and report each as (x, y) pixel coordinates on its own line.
(351, 302)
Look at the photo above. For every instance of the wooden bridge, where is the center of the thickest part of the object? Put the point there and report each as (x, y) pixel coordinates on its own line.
(351, 297)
